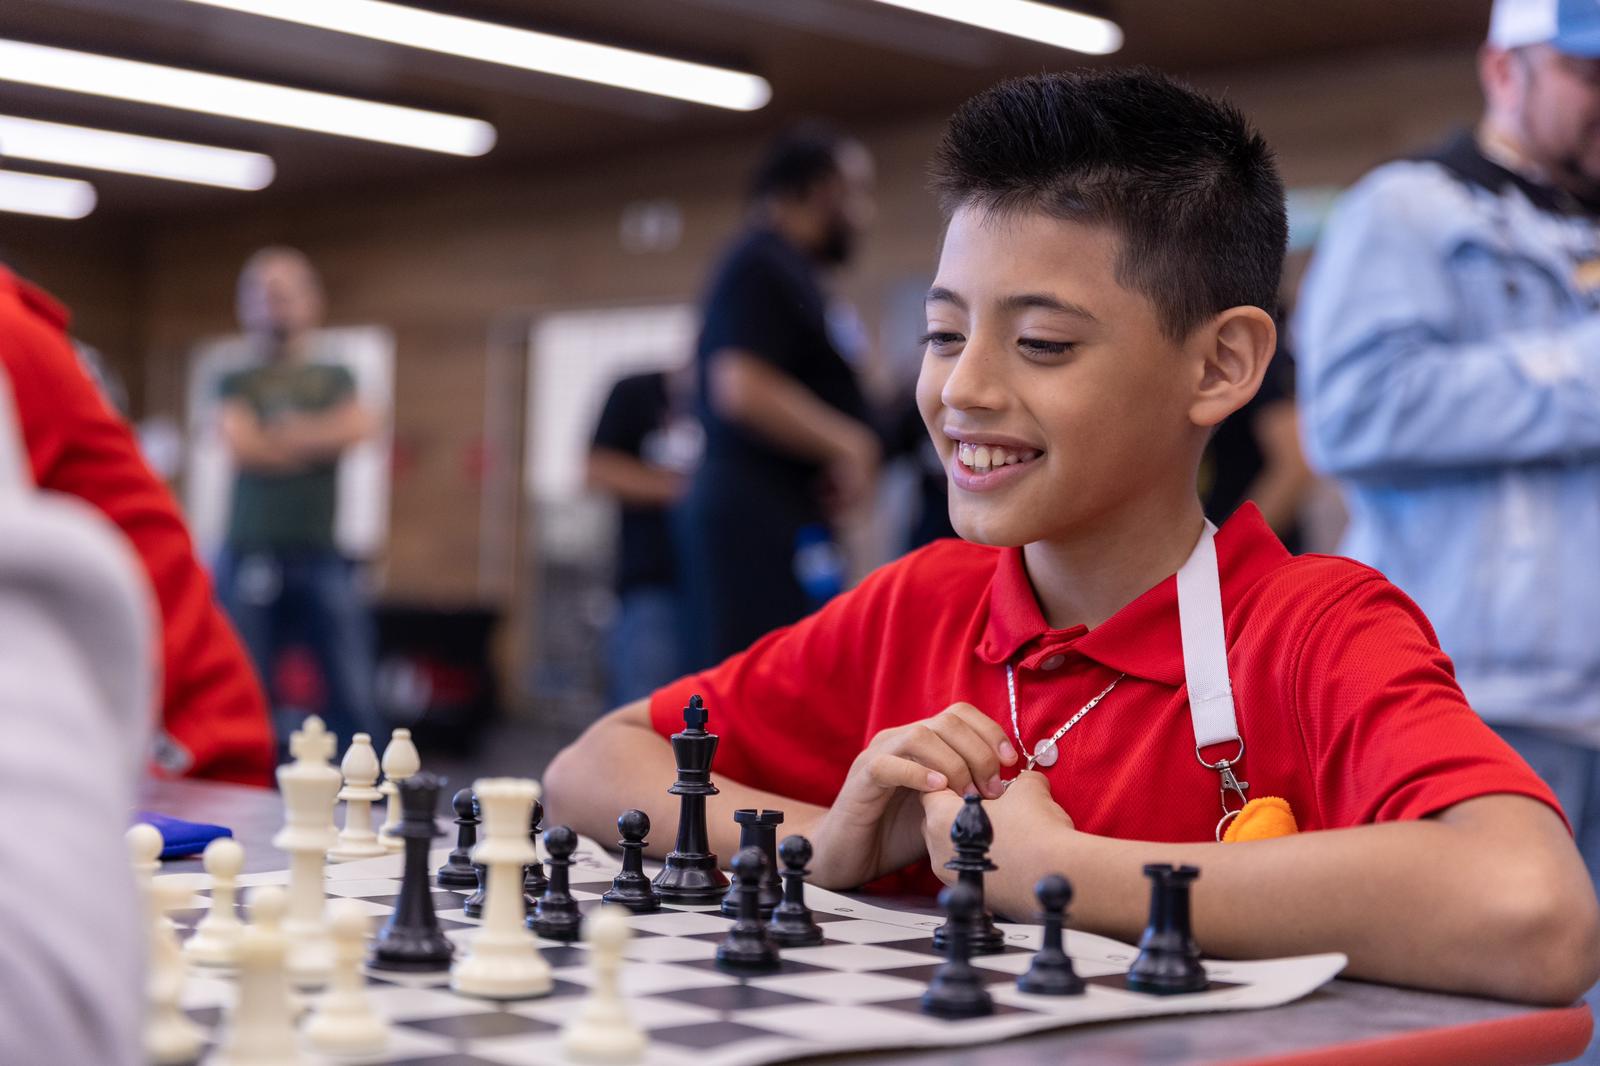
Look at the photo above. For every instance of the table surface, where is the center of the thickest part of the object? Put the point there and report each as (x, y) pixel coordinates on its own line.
(1345, 1022)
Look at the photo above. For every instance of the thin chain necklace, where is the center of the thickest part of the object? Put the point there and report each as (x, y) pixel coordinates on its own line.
(1045, 749)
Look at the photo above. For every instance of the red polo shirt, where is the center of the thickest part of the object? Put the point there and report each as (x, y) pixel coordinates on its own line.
(1348, 708)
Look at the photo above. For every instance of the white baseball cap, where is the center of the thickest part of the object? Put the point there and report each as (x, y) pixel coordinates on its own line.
(1571, 27)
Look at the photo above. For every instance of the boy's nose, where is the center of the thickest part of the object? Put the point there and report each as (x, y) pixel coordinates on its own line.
(974, 381)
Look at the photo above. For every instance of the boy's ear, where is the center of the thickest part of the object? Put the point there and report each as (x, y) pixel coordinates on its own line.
(1235, 349)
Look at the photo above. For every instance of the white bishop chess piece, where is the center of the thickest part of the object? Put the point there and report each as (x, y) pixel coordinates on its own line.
(218, 932)
(400, 761)
(358, 840)
(602, 1032)
(503, 960)
(169, 1036)
(260, 1029)
(310, 786)
(345, 1021)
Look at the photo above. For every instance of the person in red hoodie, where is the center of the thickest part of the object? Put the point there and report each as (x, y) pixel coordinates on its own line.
(214, 721)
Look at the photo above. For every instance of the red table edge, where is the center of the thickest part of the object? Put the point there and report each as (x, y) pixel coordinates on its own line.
(1533, 1039)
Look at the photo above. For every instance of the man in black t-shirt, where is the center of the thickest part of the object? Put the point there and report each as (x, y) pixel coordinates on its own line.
(788, 442)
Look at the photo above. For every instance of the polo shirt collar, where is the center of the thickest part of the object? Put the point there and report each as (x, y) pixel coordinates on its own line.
(1142, 639)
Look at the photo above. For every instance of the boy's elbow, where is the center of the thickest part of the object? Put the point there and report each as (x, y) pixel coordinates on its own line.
(1550, 925)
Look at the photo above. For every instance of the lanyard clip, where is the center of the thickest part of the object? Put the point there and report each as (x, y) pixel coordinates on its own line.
(1230, 785)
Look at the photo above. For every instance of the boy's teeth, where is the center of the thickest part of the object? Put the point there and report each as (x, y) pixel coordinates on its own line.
(984, 457)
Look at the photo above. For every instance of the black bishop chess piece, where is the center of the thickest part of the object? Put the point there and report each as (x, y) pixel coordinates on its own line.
(690, 875)
(747, 949)
(533, 879)
(957, 990)
(457, 870)
(1051, 973)
(1169, 959)
(792, 925)
(411, 939)
(972, 835)
(631, 888)
(555, 914)
(758, 829)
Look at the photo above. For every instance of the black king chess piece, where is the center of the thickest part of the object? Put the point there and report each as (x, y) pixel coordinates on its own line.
(758, 829)
(1051, 973)
(533, 880)
(457, 870)
(747, 949)
(956, 990)
(1169, 959)
(792, 925)
(411, 939)
(555, 915)
(690, 875)
(972, 835)
(631, 888)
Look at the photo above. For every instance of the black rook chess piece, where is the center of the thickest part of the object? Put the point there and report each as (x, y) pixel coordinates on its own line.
(758, 829)
(555, 915)
(411, 939)
(690, 875)
(956, 990)
(1051, 973)
(1169, 959)
(747, 949)
(631, 888)
(972, 835)
(457, 870)
(533, 880)
(792, 925)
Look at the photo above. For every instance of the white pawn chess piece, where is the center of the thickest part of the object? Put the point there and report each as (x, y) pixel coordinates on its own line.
(170, 1038)
(218, 932)
(144, 852)
(400, 761)
(260, 1031)
(310, 787)
(345, 1022)
(503, 960)
(602, 1032)
(358, 840)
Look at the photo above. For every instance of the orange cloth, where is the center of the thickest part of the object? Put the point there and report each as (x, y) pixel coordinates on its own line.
(1262, 818)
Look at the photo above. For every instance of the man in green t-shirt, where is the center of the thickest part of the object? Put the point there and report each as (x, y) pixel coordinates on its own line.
(287, 421)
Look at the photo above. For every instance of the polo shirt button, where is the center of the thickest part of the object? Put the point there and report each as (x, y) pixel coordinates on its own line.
(1052, 662)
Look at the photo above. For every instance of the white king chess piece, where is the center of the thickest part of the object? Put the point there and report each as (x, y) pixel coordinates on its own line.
(310, 787)
(357, 840)
(503, 961)
(602, 1032)
(400, 761)
(217, 934)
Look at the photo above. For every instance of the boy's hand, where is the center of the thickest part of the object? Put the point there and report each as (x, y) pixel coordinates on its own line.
(873, 828)
(1024, 816)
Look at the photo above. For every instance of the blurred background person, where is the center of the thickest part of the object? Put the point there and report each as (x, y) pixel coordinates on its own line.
(286, 422)
(788, 438)
(645, 447)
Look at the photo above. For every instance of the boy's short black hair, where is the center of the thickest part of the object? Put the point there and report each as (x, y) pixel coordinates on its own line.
(1191, 188)
(796, 159)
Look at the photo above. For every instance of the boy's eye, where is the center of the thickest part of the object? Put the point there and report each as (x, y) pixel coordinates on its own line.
(1034, 347)
(937, 339)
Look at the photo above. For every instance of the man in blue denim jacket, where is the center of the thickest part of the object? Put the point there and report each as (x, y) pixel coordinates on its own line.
(1450, 378)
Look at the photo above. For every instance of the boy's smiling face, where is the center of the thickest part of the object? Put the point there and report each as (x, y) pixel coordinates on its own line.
(1053, 396)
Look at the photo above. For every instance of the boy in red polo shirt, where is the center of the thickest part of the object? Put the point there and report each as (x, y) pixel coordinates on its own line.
(1114, 240)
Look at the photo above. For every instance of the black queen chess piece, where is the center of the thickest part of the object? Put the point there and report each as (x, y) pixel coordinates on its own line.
(758, 829)
(631, 888)
(747, 950)
(1051, 973)
(457, 870)
(956, 990)
(690, 875)
(972, 835)
(411, 939)
(1168, 963)
(792, 925)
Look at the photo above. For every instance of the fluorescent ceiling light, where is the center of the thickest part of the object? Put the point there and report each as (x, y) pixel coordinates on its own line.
(1026, 18)
(215, 94)
(526, 49)
(35, 194)
(126, 153)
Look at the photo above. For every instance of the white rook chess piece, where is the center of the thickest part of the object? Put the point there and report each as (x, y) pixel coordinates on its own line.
(503, 960)
(602, 1032)
(345, 1022)
(260, 1030)
(218, 932)
(357, 840)
(310, 786)
(400, 761)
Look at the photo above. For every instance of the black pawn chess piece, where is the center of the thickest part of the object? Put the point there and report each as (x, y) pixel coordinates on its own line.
(758, 829)
(457, 869)
(631, 888)
(1169, 959)
(533, 879)
(972, 835)
(472, 906)
(555, 914)
(957, 990)
(747, 949)
(1051, 973)
(690, 875)
(411, 939)
(792, 925)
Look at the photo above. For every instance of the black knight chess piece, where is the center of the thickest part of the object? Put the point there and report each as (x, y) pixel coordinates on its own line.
(792, 925)
(1051, 973)
(1169, 959)
(972, 835)
(411, 939)
(690, 875)
(457, 869)
(631, 888)
(555, 915)
(957, 990)
(758, 829)
(533, 880)
(747, 949)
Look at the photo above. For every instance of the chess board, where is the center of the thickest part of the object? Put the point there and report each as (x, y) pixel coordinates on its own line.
(857, 991)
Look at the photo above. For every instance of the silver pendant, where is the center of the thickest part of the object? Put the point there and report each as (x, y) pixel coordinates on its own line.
(1044, 753)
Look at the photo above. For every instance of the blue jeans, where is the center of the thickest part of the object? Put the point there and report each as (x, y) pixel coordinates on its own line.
(311, 596)
(643, 651)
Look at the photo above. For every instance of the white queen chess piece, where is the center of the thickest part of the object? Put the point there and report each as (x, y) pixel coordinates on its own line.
(345, 1021)
(503, 960)
(310, 786)
(358, 840)
(400, 761)
(218, 932)
(602, 1032)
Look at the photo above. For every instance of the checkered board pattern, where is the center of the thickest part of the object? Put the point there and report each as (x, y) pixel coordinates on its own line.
(857, 991)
